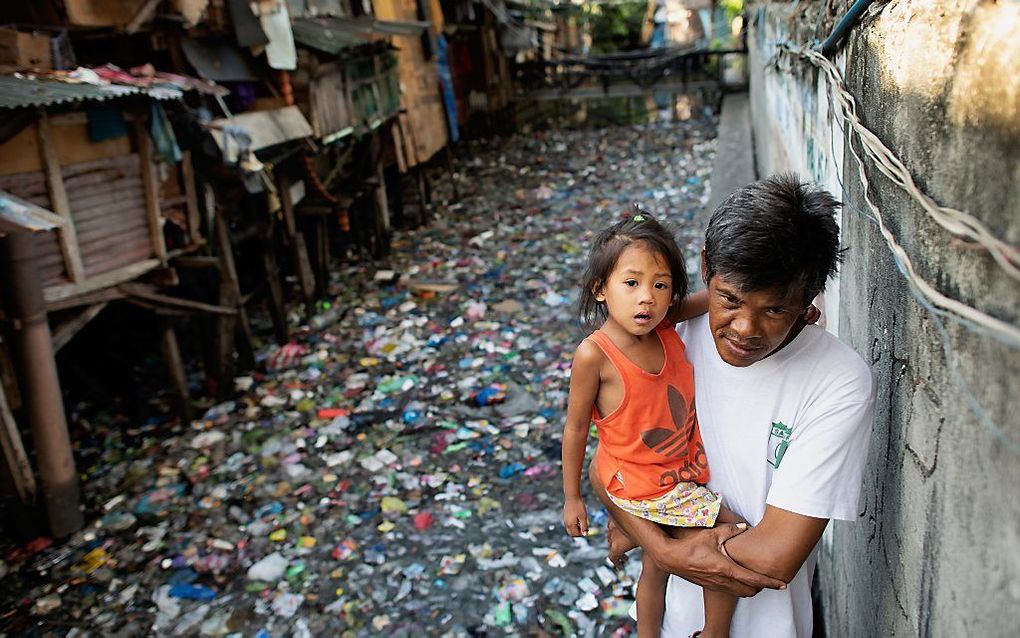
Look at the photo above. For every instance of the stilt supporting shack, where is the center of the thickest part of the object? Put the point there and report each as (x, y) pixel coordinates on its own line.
(299, 250)
(14, 454)
(33, 351)
(175, 366)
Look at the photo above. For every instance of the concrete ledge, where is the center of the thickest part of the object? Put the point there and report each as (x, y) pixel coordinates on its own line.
(734, 151)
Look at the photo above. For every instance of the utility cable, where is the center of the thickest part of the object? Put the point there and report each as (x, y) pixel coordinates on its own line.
(951, 219)
(944, 338)
(955, 221)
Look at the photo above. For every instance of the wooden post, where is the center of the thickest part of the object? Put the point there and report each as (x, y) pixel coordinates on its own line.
(58, 200)
(228, 277)
(178, 377)
(382, 211)
(297, 245)
(276, 305)
(32, 346)
(417, 172)
(191, 197)
(150, 179)
(321, 255)
(14, 454)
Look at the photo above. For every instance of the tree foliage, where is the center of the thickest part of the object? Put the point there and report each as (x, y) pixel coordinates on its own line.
(616, 26)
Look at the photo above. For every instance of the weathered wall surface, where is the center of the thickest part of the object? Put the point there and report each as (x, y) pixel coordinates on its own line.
(935, 550)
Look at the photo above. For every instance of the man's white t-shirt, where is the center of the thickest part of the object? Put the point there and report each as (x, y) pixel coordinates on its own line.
(789, 431)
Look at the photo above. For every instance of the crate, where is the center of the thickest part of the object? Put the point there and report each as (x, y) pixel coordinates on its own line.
(25, 50)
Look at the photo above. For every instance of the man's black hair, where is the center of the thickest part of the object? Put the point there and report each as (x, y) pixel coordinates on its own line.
(778, 232)
(610, 243)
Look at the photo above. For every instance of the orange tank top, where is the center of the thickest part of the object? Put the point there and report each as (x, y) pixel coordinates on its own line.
(651, 441)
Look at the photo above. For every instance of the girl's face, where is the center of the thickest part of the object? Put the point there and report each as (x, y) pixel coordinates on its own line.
(638, 291)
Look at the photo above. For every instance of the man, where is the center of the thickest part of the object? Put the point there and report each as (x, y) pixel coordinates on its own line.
(785, 411)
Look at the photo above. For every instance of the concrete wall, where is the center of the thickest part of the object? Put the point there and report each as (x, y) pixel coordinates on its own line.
(936, 550)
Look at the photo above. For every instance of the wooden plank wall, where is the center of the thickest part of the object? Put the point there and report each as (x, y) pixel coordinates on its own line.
(50, 261)
(329, 102)
(109, 211)
(419, 81)
(107, 203)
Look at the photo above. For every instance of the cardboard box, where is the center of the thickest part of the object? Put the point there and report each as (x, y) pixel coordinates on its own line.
(25, 50)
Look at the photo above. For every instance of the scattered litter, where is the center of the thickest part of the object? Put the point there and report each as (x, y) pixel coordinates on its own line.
(394, 469)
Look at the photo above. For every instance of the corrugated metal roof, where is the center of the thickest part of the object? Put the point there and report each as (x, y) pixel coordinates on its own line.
(17, 92)
(333, 35)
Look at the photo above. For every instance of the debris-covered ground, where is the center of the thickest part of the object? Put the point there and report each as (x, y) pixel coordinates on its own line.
(394, 470)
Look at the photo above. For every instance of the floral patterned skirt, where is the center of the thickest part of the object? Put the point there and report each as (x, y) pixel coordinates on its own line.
(686, 505)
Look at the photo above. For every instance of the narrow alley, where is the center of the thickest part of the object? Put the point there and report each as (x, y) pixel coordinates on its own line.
(395, 468)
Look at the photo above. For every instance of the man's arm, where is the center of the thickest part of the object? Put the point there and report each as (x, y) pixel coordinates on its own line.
(779, 544)
(696, 554)
(693, 305)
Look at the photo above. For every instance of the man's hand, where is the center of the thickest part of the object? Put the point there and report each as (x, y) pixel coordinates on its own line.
(698, 555)
(575, 517)
(694, 554)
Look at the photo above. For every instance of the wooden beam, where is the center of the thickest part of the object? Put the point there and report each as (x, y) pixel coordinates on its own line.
(191, 197)
(58, 200)
(62, 292)
(276, 305)
(144, 14)
(105, 295)
(14, 454)
(619, 90)
(175, 366)
(228, 273)
(197, 262)
(150, 179)
(148, 293)
(64, 332)
(283, 189)
(297, 243)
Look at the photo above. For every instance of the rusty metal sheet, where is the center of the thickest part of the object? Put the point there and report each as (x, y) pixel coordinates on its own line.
(264, 128)
(333, 35)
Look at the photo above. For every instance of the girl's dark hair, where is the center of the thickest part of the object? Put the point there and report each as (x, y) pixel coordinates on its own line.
(606, 250)
(778, 232)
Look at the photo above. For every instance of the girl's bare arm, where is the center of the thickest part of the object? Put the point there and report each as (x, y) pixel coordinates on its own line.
(584, 387)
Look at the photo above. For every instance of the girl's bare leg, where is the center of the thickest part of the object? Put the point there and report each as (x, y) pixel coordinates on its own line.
(651, 599)
(719, 606)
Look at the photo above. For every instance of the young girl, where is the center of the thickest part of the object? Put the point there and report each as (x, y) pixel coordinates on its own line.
(631, 377)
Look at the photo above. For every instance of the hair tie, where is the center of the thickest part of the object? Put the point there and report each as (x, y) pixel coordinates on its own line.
(638, 218)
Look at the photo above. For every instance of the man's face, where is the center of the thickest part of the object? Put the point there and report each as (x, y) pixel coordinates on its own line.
(749, 326)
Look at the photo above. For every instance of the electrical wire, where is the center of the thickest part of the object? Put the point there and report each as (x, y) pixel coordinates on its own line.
(944, 338)
(844, 107)
(955, 221)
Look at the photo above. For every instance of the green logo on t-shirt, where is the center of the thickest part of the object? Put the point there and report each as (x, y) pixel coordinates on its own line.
(779, 440)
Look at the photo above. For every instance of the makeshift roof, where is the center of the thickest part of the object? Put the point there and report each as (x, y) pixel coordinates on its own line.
(18, 92)
(17, 214)
(217, 60)
(258, 130)
(333, 35)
